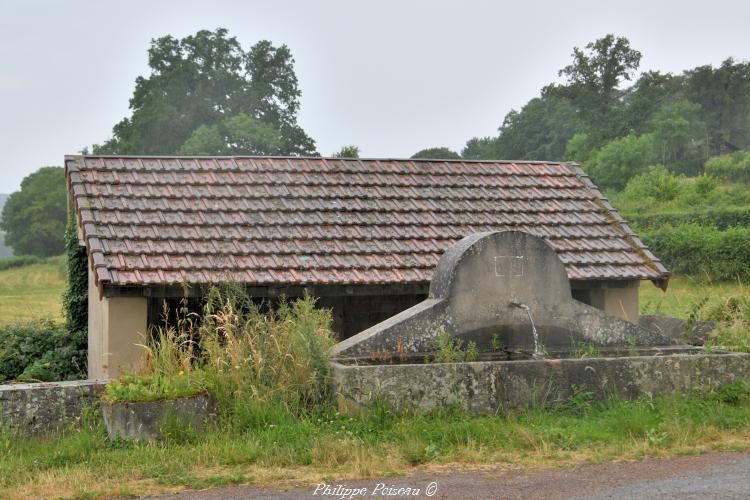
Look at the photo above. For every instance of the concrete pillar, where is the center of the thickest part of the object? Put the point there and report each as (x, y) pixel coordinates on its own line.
(620, 301)
(116, 325)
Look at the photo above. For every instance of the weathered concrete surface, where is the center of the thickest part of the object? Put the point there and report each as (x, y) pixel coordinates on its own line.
(621, 301)
(676, 328)
(472, 293)
(486, 387)
(116, 326)
(45, 407)
(143, 421)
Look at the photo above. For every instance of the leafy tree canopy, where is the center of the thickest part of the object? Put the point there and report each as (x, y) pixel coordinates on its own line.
(677, 121)
(593, 81)
(206, 95)
(621, 159)
(347, 152)
(440, 153)
(539, 131)
(724, 96)
(34, 217)
(480, 148)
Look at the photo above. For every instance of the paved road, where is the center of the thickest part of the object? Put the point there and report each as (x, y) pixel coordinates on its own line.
(713, 475)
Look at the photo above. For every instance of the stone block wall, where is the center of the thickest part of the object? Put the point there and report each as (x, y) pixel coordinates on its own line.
(46, 407)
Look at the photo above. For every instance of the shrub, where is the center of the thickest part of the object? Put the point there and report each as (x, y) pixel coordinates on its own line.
(732, 167)
(41, 350)
(618, 161)
(646, 189)
(694, 249)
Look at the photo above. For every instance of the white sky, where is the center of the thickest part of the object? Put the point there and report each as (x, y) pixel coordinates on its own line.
(392, 77)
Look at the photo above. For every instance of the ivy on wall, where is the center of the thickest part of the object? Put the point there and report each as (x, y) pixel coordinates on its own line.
(75, 299)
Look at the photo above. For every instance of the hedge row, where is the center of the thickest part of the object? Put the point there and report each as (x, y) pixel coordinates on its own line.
(41, 350)
(700, 250)
(720, 218)
(19, 261)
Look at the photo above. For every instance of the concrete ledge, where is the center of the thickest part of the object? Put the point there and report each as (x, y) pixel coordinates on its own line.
(486, 387)
(48, 406)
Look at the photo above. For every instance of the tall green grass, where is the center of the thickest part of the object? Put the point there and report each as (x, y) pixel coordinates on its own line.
(239, 351)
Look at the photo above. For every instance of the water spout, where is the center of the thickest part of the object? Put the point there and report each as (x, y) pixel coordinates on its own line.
(538, 353)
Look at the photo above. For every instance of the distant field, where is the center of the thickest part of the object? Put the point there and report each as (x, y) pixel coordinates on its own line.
(683, 292)
(33, 291)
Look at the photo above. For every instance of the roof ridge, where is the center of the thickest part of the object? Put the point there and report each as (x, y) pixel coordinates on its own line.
(326, 158)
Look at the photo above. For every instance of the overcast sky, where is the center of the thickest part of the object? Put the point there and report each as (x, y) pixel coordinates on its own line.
(392, 77)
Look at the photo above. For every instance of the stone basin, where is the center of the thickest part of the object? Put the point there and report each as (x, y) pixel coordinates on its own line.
(491, 386)
(536, 344)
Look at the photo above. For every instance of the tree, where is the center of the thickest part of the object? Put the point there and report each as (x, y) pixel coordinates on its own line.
(235, 135)
(480, 148)
(347, 152)
(440, 153)
(650, 93)
(724, 95)
(681, 137)
(593, 81)
(34, 217)
(621, 159)
(206, 95)
(539, 131)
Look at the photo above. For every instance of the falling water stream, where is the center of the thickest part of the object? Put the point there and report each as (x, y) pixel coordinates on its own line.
(538, 353)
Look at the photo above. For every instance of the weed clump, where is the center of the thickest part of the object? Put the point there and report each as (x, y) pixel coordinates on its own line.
(450, 350)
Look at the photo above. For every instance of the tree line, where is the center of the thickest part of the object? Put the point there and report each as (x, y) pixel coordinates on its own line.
(206, 95)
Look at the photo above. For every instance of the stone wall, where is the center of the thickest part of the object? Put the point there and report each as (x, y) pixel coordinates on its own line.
(486, 387)
(44, 407)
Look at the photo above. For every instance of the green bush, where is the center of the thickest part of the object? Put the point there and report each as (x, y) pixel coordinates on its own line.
(19, 261)
(612, 166)
(720, 218)
(41, 350)
(733, 167)
(695, 249)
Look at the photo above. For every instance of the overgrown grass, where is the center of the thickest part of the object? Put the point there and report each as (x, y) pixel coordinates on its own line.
(240, 351)
(32, 291)
(264, 443)
(683, 293)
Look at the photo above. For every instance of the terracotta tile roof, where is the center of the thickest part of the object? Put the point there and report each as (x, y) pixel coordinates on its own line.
(155, 221)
